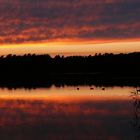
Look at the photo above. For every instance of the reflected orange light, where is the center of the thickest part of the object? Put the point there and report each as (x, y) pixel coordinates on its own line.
(68, 94)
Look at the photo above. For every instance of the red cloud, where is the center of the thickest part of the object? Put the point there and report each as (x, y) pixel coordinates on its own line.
(37, 20)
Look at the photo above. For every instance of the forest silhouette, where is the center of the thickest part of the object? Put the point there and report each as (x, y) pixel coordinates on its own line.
(42, 70)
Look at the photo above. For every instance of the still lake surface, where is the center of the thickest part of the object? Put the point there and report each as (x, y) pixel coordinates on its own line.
(71, 113)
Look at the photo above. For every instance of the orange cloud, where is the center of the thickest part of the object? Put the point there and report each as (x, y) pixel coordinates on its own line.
(35, 21)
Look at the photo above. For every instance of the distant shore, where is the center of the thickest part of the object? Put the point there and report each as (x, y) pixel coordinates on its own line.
(43, 71)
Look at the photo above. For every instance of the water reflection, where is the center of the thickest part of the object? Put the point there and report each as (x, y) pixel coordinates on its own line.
(136, 112)
(66, 113)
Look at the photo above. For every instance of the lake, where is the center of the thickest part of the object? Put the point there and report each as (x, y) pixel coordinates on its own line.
(68, 112)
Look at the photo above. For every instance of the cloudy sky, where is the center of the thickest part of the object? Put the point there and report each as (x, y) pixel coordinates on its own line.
(23, 21)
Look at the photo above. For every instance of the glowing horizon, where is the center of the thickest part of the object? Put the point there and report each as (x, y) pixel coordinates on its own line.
(72, 48)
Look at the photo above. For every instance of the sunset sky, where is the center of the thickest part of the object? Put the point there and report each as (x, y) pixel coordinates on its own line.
(69, 26)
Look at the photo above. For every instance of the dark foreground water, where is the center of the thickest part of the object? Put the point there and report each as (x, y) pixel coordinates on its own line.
(71, 113)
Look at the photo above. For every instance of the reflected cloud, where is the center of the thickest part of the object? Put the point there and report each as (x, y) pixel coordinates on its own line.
(94, 112)
(65, 120)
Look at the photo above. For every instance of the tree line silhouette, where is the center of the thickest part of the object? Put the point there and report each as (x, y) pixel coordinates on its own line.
(99, 69)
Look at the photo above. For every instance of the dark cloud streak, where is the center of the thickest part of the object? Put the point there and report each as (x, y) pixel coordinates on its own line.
(37, 20)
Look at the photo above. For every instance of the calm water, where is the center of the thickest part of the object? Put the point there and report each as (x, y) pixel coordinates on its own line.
(110, 113)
